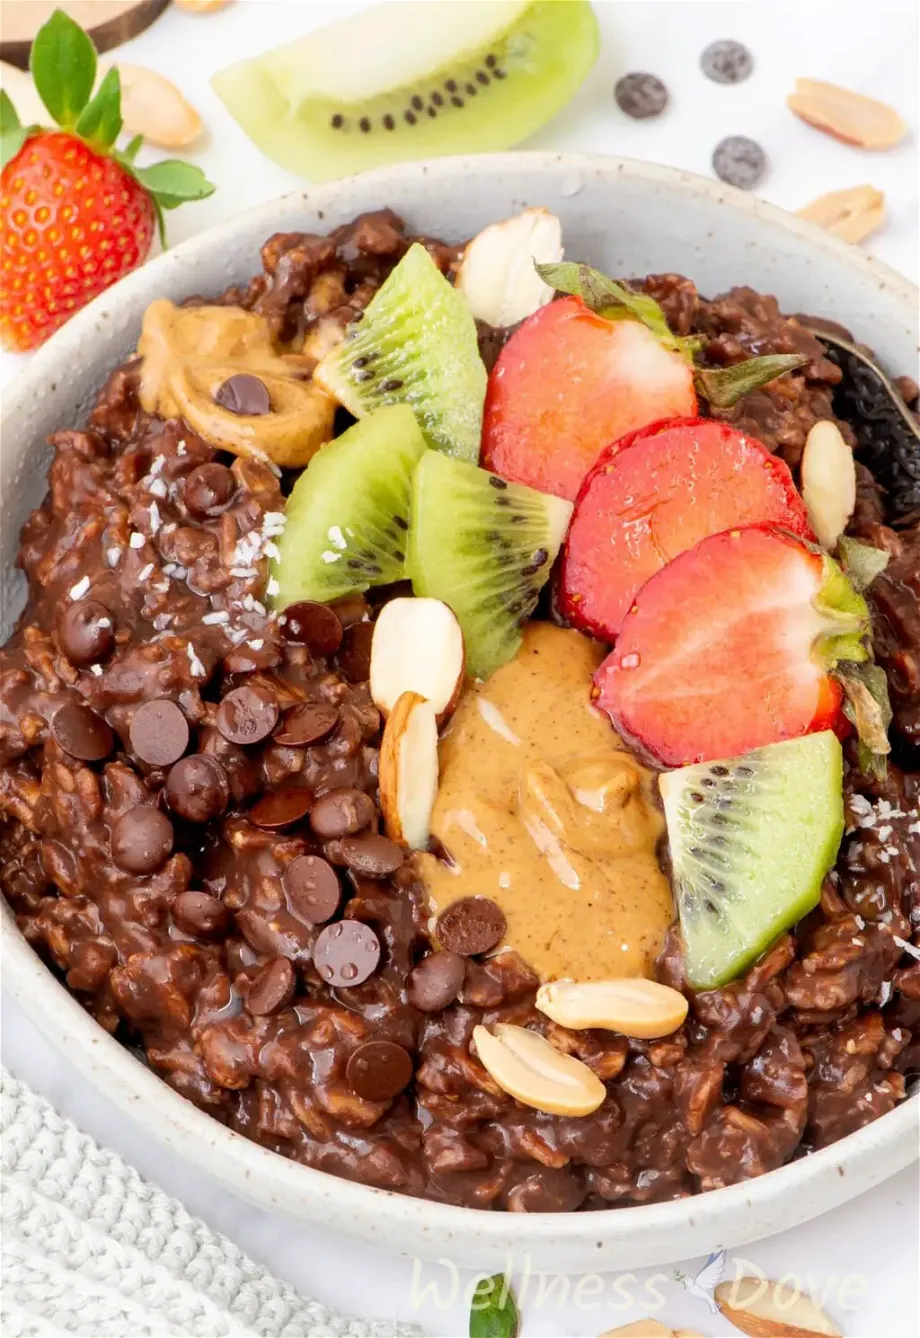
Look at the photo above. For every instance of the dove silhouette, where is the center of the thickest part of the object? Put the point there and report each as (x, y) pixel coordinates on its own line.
(707, 1279)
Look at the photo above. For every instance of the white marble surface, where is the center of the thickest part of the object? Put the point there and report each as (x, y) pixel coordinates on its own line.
(861, 1259)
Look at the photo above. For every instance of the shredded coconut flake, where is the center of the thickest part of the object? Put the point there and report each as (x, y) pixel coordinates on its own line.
(136, 541)
(79, 590)
(145, 573)
(113, 556)
(884, 993)
(96, 669)
(154, 517)
(884, 832)
(271, 550)
(257, 644)
(218, 616)
(329, 556)
(162, 621)
(158, 487)
(907, 947)
(157, 464)
(197, 668)
(272, 588)
(243, 572)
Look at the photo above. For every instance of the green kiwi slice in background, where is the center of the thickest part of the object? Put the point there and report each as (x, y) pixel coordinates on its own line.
(486, 548)
(406, 81)
(415, 344)
(751, 841)
(348, 515)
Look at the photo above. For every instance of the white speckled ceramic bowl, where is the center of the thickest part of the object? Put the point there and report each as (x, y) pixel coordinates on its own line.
(626, 217)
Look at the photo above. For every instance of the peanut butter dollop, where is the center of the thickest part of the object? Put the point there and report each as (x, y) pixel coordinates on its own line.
(541, 808)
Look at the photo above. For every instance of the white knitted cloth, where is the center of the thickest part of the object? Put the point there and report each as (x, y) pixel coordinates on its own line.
(90, 1248)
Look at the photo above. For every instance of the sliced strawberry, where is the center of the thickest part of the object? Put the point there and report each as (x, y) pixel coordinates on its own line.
(653, 495)
(568, 383)
(730, 646)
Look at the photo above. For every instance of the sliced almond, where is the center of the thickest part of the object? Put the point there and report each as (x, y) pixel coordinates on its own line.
(417, 647)
(632, 1006)
(152, 106)
(853, 214)
(847, 115)
(527, 1067)
(828, 482)
(408, 770)
(201, 6)
(767, 1310)
(497, 275)
(640, 1328)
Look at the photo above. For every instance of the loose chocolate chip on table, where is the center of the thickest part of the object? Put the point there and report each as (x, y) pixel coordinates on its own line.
(471, 925)
(199, 913)
(314, 625)
(273, 987)
(346, 953)
(281, 809)
(142, 840)
(436, 981)
(307, 723)
(739, 161)
(86, 632)
(727, 62)
(247, 715)
(374, 856)
(208, 489)
(197, 788)
(81, 732)
(355, 654)
(159, 733)
(378, 1070)
(641, 95)
(342, 813)
(311, 886)
(244, 394)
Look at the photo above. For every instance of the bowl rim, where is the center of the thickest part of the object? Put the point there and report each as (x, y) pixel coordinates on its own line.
(236, 1160)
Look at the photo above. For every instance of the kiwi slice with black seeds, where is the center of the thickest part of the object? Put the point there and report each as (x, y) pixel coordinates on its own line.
(404, 81)
(347, 518)
(485, 547)
(751, 840)
(415, 344)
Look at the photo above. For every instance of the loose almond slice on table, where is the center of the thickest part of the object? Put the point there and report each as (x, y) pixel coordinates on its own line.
(201, 6)
(497, 275)
(527, 1067)
(408, 770)
(152, 106)
(631, 1006)
(852, 214)
(417, 647)
(828, 482)
(847, 115)
(767, 1310)
(640, 1328)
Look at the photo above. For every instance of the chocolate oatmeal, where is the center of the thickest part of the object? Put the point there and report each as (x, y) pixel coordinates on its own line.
(192, 831)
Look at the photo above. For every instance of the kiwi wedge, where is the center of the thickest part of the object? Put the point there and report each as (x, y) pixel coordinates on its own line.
(415, 344)
(347, 518)
(403, 81)
(751, 840)
(485, 547)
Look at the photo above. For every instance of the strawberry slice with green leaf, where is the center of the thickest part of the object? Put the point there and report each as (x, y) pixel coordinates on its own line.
(77, 213)
(746, 639)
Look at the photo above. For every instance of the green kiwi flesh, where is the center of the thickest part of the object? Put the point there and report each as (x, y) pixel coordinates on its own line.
(412, 81)
(415, 344)
(485, 547)
(347, 517)
(751, 841)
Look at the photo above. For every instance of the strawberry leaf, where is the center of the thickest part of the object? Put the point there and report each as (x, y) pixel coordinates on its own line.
(12, 142)
(9, 118)
(866, 706)
(63, 65)
(130, 151)
(725, 386)
(493, 1312)
(861, 562)
(100, 120)
(173, 182)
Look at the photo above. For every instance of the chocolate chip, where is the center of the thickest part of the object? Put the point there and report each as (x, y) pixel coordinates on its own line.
(243, 393)
(314, 625)
(208, 490)
(312, 889)
(355, 654)
(436, 981)
(159, 733)
(247, 715)
(86, 632)
(307, 723)
(739, 161)
(342, 813)
(197, 788)
(727, 62)
(273, 987)
(641, 95)
(81, 732)
(471, 926)
(372, 856)
(378, 1070)
(346, 953)
(200, 913)
(281, 809)
(142, 840)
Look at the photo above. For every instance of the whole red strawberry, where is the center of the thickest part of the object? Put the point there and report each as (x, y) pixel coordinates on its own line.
(75, 213)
